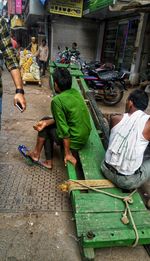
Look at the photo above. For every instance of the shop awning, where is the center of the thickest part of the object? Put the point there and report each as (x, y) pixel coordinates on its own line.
(125, 5)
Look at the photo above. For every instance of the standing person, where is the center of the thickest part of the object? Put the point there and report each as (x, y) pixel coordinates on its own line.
(74, 50)
(70, 125)
(126, 163)
(1, 92)
(12, 64)
(13, 41)
(19, 49)
(43, 56)
(1, 61)
(33, 46)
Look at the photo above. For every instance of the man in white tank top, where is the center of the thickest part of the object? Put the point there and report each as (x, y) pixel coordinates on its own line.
(127, 159)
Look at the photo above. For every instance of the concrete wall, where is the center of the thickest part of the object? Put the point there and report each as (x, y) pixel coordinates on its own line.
(35, 7)
(65, 30)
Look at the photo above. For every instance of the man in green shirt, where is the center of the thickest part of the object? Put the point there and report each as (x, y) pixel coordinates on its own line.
(70, 125)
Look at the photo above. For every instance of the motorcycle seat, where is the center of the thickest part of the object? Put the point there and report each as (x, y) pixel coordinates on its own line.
(108, 76)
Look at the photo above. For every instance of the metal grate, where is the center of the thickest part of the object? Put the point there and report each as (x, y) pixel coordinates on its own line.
(25, 188)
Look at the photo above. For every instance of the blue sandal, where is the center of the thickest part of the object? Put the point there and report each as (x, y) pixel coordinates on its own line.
(24, 152)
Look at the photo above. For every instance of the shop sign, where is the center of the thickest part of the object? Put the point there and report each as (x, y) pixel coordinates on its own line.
(95, 5)
(11, 7)
(1, 8)
(66, 7)
(18, 6)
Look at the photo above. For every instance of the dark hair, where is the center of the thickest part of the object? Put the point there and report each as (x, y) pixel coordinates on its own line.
(44, 40)
(75, 44)
(19, 42)
(139, 98)
(63, 78)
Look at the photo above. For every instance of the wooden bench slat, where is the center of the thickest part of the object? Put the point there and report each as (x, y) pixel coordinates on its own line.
(100, 203)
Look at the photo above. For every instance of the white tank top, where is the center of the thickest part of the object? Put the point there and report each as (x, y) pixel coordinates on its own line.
(141, 144)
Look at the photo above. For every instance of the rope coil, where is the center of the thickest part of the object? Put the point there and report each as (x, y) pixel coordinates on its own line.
(127, 200)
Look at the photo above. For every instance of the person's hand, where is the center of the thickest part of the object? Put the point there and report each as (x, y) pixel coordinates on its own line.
(40, 125)
(20, 99)
(71, 158)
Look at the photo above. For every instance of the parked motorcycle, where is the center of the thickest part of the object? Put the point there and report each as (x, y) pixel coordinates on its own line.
(68, 56)
(62, 56)
(106, 83)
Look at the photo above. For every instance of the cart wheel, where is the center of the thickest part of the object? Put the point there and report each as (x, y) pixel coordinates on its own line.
(24, 82)
(40, 84)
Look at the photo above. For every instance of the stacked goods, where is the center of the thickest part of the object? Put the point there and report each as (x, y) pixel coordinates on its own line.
(29, 67)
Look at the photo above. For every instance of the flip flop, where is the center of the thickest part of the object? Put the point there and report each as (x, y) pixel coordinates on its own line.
(24, 152)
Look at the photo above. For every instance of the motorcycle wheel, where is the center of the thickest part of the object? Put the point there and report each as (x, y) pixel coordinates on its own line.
(114, 95)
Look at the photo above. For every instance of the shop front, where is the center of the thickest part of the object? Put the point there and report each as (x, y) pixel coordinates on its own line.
(119, 42)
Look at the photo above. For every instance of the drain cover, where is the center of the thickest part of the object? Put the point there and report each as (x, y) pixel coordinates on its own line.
(25, 188)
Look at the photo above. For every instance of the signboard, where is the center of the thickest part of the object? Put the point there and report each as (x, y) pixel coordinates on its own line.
(11, 7)
(95, 5)
(1, 8)
(66, 7)
(18, 6)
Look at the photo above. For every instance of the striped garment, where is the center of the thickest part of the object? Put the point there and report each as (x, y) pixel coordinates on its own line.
(6, 46)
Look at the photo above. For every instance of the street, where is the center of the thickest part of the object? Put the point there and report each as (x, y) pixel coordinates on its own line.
(36, 219)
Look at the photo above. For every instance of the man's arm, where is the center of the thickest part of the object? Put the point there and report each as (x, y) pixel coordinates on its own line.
(47, 54)
(19, 97)
(11, 62)
(68, 154)
(62, 129)
(43, 124)
(146, 132)
(113, 119)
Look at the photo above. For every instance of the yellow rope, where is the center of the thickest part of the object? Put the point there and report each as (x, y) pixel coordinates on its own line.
(127, 200)
(68, 186)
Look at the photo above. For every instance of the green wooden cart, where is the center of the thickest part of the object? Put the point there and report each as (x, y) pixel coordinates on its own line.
(105, 215)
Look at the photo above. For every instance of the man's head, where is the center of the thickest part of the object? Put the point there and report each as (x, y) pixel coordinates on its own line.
(18, 43)
(74, 46)
(33, 40)
(43, 42)
(137, 100)
(62, 79)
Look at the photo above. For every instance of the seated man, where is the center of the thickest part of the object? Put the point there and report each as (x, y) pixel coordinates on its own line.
(74, 50)
(70, 125)
(125, 163)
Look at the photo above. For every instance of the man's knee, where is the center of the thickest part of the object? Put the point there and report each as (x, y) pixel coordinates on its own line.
(46, 118)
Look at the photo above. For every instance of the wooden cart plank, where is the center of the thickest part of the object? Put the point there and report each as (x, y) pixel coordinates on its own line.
(100, 203)
(108, 230)
(105, 221)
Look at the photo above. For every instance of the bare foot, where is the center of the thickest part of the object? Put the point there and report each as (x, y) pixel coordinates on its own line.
(48, 164)
(33, 155)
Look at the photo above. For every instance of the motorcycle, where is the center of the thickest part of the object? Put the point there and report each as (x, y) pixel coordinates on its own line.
(106, 83)
(62, 56)
(69, 57)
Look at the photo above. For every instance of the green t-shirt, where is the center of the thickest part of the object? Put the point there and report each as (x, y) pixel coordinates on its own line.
(72, 118)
